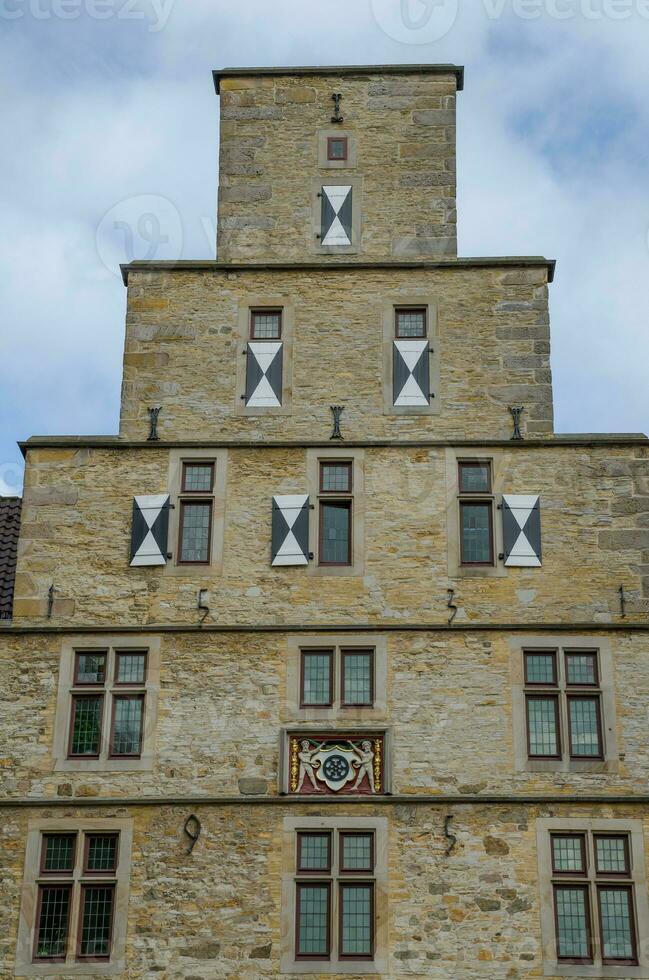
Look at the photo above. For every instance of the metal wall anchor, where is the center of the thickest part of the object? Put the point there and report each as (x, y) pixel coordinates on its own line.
(516, 415)
(153, 424)
(337, 412)
(337, 118)
(193, 829)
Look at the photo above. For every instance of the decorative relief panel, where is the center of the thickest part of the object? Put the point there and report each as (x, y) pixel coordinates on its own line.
(340, 763)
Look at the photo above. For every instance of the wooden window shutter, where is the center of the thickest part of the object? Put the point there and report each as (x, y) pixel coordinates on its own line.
(337, 215)
(411, 373)
(522, 530)
(150, 530)
(264, 368)
(290, 530)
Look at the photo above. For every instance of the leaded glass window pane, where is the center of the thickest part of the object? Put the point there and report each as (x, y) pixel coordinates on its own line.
(335, 548)
(568, 854)
(411, 323)
(543, 726)
(86, 727)
(131, 668)
(198, 477)
(612, 855)
(336, 477)
(52, 937)
(581, 668)
(316, 678)
(90, 668)
(356, 920)
(617, 928)
(315, 850)
(540, 668)
(357, 678)
(195, 538)
(476, 534)
(572, 923)
(357, 852)
(102, 852)
(58, 853)
(475, 477)
(96, 920)
(584, 727)
(267, 325)
(127, 726)
(313, 909)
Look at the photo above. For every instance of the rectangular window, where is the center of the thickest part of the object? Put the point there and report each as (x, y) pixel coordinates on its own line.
(313, 920)
(195, 505)
(563, 705)
(76, 860)
(335, 478)
(592, 859)
(476, 515)
(336, 148)
(410, 322)
(357, 678)
(335, 532)
(316, 678)
(109, 722)
(265, 324)
(336, 914)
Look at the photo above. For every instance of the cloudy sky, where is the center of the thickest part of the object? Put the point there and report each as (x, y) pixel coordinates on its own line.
(108, 114)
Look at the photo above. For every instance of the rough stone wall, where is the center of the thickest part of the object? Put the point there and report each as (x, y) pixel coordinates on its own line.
(77, 518)
(216, 914)
(404, 127)
(448, 706)
(182, 349)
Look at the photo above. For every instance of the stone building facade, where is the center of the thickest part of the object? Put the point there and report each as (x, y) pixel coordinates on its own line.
(333, 664)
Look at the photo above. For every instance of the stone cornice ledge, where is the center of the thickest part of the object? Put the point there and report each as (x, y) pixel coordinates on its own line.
(338, 70)
(337, 265)
(327, 628)
(592, 439)
(407, 799)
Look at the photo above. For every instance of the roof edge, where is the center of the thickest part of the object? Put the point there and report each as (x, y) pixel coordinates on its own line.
(213, 265)
(304, 70)
(551, 442)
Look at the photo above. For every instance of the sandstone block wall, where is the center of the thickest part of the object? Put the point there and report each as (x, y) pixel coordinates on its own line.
(403, 128)
(182, 348)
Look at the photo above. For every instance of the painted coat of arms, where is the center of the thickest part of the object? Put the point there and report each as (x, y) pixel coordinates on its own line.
(336, 764)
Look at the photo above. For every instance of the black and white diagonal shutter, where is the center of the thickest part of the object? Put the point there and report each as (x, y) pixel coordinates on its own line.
(411, 373)
(150, 530)
(264, 365)
(290, 530)
(522, 530)
(336, 222)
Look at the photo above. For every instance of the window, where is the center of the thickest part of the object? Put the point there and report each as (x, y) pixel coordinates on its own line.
(265, 324)
(563, 704)
(336, 148)
(335, 513)
(335, 911)
(594, 894)
(410, 322)
(196, 505)
(476, 513)
(75, 897)
(354, 668)
(106, 707)
(334, 889)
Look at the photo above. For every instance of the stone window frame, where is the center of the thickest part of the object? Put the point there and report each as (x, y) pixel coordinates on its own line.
(356, 184)
(634, 829)
(453, 457)
(25, 965)
(336, 712)
(177, 457)
(564, 643)
(64, 702)
(429, 302)
(247, 305)
(334, 966)
(313, 459)
(351, 161)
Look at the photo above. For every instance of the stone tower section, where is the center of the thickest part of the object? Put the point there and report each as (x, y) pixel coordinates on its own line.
(386, 134)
